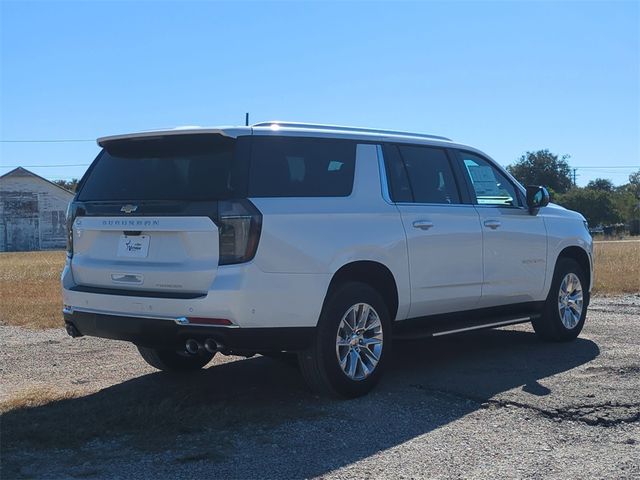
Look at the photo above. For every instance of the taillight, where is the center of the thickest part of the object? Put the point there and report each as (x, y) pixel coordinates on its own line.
(71, 213)
(239, 226)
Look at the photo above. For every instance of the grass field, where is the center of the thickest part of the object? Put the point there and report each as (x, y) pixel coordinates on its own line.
(30, 290)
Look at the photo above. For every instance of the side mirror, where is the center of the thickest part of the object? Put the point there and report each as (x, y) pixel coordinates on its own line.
(537, 197)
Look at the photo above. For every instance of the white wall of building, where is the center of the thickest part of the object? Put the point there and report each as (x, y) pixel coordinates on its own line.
(32, 212)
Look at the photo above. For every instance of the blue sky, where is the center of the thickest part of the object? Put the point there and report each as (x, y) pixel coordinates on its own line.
(506, 77)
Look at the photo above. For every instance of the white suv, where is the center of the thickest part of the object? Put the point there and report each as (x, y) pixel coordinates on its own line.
(313, 242)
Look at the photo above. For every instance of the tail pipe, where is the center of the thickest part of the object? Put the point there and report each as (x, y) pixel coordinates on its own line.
(212, 346)
(192, 346)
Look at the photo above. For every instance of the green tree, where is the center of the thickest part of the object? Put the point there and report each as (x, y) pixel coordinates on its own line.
(626, 204)
(70, 185)
(597, 206)
(627, 198)
(634, 184)
(543, 168)
(603, 184)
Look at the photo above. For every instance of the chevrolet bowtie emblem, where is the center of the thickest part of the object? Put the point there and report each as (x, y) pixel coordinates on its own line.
(129, 208)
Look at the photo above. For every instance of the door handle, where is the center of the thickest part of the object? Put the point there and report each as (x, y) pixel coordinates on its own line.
(492, 224)
(422, 224)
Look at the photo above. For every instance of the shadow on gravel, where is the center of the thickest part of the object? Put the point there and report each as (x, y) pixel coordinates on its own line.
(255, 418)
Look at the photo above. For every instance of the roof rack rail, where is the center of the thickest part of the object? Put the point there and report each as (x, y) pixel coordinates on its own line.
(343, 128)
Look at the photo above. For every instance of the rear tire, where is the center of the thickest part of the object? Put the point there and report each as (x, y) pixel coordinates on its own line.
(565, 309)
(352, 344)
(288, 358)
(174, 361)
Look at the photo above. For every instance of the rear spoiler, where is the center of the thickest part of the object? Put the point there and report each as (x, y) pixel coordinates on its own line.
(231, 132)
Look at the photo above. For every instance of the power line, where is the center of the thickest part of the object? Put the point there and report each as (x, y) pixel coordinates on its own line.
(611, 166)
(47, 166)
(47, 141)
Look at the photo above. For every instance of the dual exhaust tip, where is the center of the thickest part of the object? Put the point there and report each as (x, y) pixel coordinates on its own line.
(211, 345)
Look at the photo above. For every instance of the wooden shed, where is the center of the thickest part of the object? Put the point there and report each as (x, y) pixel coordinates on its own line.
(32, 212)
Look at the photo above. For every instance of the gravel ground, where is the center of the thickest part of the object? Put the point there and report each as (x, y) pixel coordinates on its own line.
(481, 405)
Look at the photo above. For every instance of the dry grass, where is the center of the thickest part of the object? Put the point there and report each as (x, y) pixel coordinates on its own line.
(617, 267)
(34, 397)
(30, 289)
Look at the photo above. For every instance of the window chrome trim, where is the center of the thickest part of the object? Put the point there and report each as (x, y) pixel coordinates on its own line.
(409, 204)
(70, 310)
(511, 207)
(183, 321)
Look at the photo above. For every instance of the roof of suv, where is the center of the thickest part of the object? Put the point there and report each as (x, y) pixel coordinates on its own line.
(286, 128)
(277, 127)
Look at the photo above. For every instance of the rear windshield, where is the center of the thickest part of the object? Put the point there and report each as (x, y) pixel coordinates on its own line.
(181, 167)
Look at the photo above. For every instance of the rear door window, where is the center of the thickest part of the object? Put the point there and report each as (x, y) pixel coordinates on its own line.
(301, 167)
(429, 174)
(178, 167)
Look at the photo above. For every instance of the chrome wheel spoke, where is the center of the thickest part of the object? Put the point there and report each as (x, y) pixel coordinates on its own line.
(363, 366)
(370, 355)
(371, 341)
(353, 363)
(363, 316)
(373, 324)
(349, 322)
(343, 360)
(567, 319)
(576, 296)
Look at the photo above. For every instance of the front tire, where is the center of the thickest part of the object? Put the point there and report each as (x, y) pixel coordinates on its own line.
(174, 361)
(565, 309)
(352, 344)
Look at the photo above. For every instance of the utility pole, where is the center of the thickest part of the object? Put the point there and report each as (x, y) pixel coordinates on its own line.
(574, 175)
(246, 119)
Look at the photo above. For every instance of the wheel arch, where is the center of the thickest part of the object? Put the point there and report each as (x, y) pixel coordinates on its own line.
(581, 256)
(373, 273)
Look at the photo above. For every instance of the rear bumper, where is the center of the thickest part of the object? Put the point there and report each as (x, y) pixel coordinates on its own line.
(242, 294)
(166, 333)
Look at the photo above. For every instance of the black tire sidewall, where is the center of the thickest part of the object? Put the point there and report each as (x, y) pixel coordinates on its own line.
(337, 305)
(171, 360)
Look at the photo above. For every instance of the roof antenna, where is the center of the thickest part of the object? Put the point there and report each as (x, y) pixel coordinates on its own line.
(246, 119)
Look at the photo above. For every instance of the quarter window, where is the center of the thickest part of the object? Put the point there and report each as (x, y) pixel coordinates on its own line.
(490, 185)
(301, 167)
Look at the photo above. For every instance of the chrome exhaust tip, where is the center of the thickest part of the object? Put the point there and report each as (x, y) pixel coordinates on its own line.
(192, 346)
(210, 345)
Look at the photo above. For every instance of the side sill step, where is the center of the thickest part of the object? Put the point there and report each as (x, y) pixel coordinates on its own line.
(441, 328)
